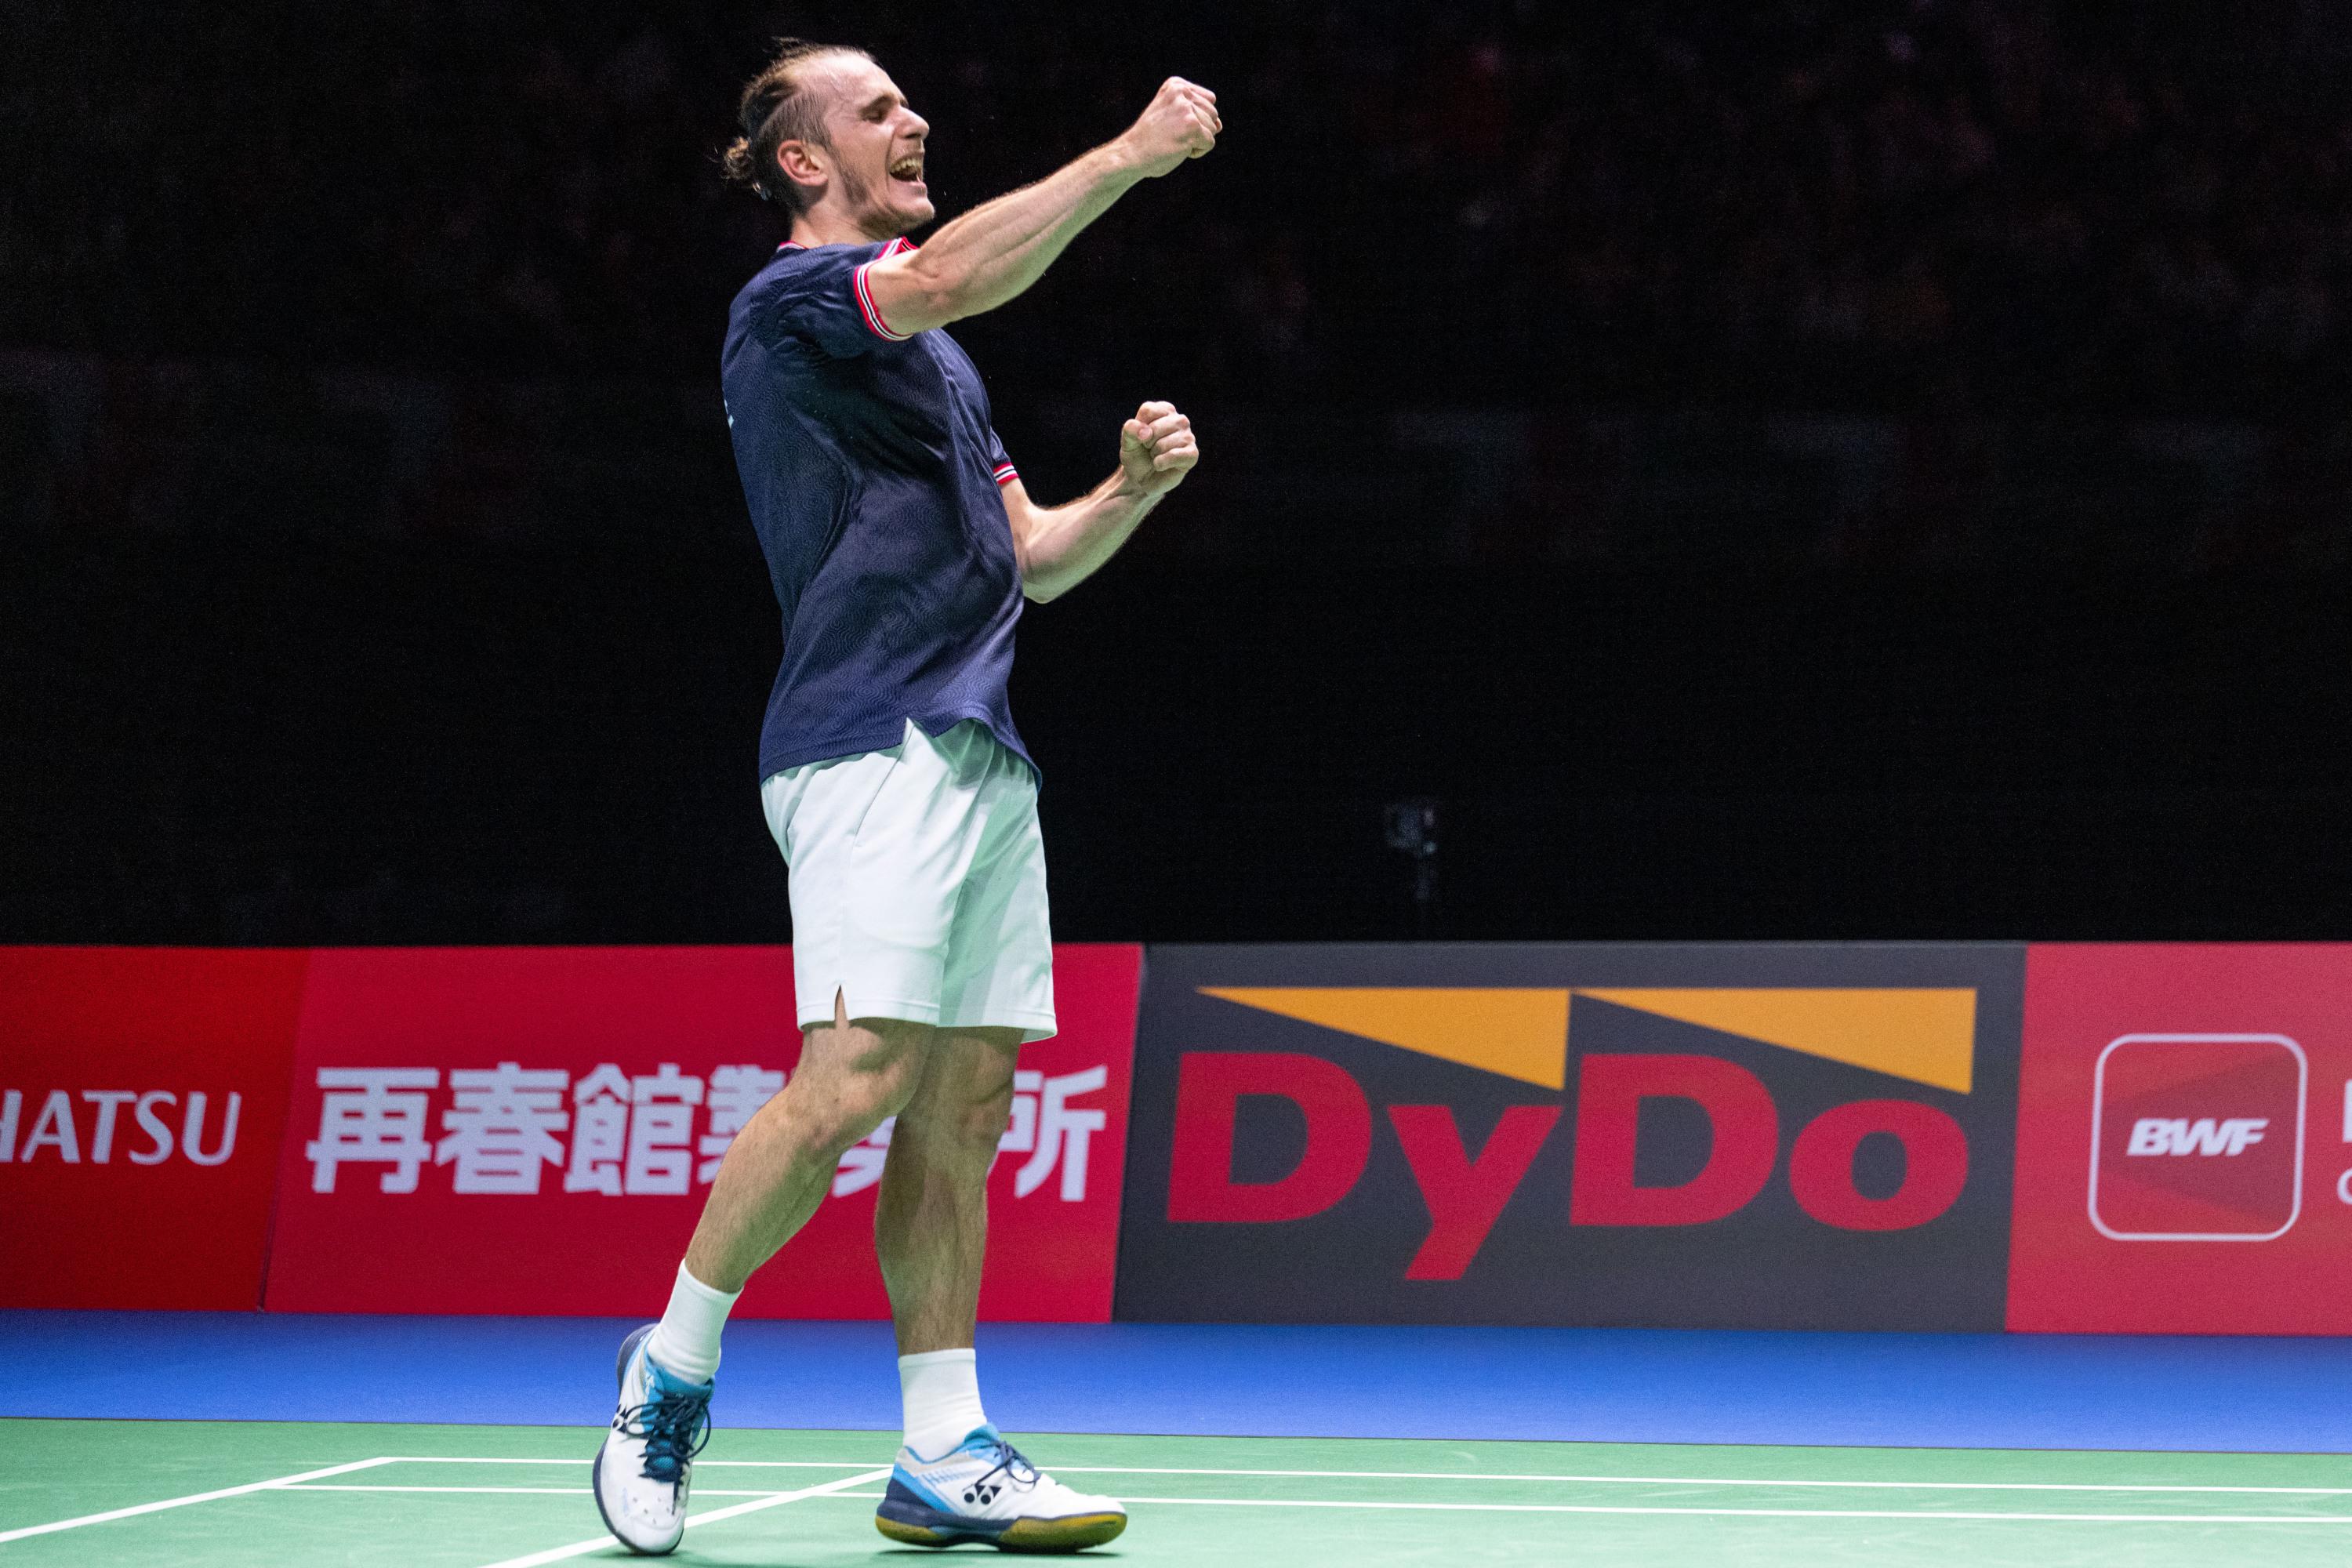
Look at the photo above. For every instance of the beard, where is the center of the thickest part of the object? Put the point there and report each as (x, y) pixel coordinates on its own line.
(857, 191)
(871, 205)
(863, 199)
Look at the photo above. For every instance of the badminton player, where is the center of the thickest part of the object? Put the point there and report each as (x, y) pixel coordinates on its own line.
(901, 543)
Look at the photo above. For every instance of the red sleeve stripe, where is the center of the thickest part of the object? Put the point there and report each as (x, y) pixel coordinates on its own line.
(865, 305)
(1005, 474)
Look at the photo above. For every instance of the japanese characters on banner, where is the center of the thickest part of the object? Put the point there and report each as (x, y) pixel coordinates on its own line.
(2184, 1160)
(142, 1096)
(533, 1131)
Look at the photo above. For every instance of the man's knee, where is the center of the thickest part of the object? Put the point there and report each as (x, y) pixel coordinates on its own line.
(851, 1116)
(961, 1123)
(851, 1081)
(959, 1145)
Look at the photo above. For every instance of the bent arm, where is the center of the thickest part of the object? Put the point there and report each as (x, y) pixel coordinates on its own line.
(1060, 547)
(998, 249)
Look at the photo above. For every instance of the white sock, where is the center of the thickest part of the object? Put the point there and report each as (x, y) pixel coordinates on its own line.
(685, 1341)
(942, 1390)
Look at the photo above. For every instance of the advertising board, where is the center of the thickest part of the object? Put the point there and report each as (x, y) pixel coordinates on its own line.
(1793, 1135)
(1782, 1135)
(534, 1130)
(2185, 1141)
(142, 1095)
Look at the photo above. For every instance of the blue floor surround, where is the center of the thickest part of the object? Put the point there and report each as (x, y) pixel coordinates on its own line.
(1588, 1384)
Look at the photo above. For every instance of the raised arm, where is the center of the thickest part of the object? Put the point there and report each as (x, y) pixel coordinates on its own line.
(990, 254)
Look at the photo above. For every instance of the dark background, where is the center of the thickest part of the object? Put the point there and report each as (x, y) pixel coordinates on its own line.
(1807, 470)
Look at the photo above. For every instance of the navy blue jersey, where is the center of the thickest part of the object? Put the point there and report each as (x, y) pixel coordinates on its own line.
(871, 469)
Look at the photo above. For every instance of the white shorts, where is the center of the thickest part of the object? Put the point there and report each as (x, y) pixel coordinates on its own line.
(918, 884)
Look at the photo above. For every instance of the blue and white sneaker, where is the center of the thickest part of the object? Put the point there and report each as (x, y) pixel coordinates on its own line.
(982, 1490)
(648, 1458)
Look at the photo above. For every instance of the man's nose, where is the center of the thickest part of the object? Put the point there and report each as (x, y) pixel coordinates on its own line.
(917, 125)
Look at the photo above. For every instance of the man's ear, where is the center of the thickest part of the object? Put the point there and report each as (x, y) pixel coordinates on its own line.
(801, 164)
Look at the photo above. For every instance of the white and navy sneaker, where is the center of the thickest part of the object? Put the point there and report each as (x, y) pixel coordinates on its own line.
(643, 1468)
(982, 1490)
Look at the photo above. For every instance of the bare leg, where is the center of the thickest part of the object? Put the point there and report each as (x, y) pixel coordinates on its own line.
(851, 1075)
(931, 1226)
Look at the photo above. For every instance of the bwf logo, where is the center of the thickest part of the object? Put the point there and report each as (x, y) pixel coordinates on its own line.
(2178, 1135)
(2191, 1138)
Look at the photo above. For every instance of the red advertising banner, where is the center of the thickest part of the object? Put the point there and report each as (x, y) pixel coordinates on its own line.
(142, 1094)
(534, 1130)
(2184, 1149)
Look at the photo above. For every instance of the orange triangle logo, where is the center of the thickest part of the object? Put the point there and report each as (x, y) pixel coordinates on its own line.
(1928, 1036)
(1517, 1034)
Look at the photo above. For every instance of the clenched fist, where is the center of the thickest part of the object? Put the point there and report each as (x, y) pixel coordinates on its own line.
(1180, 122)
(1156, 450)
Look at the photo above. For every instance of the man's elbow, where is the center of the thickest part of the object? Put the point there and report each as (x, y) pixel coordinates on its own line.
(1040, 584)
(943, 291)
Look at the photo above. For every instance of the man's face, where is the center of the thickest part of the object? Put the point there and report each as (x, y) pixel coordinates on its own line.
(876, 160)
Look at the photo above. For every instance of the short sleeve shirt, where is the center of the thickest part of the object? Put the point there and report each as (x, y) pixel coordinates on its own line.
(871, 469)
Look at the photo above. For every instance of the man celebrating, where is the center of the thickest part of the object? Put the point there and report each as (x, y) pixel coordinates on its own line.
(900, 543)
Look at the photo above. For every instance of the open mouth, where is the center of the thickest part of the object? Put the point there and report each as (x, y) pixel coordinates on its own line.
(908, 170)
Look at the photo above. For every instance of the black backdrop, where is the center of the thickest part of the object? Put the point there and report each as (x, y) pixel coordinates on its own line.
(479, 654)
(305, 743)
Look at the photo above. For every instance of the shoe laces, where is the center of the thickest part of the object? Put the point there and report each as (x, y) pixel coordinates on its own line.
(674, 1427)
(1012, 1465)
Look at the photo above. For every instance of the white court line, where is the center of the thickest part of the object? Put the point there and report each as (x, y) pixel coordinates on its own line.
(1500, 1476)
(277, 1483)
(582, 1548)
(1709, 1481)
(1764, 1513)
(1729, 1512)
(839, 1489)
(581, 1491)
(698, 1464)
(842, 1487)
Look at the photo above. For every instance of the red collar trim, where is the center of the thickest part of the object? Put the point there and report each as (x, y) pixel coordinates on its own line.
(895, 247)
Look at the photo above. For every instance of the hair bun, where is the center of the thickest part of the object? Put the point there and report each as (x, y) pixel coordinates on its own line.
(774, 110)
